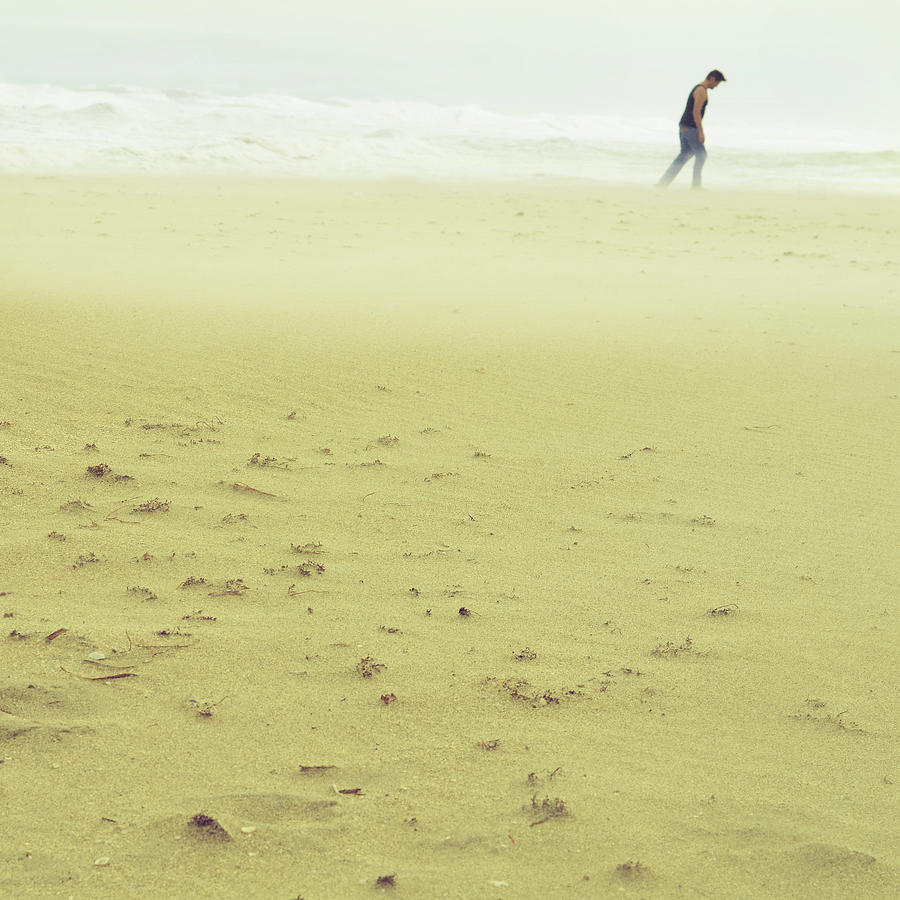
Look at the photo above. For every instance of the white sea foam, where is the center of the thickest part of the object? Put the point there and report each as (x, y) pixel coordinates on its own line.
(49, 129)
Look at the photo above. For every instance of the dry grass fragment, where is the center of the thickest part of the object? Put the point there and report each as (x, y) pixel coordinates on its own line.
(197, 616)
(729, 609)
(191, 581)
(309, 548)
(234, 587)
(100, 677)
(632, 868)
(534, 778)
(548, 808)
(239, 486)
(267, 462)
(235, 518)
(304, 569)
(85, 559)
(367, 667)
(203, 708)
(816, 712)
(151, 506)
(670, 650)
(522, 690)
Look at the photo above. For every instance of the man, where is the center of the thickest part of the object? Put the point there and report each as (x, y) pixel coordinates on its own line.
(690, 129)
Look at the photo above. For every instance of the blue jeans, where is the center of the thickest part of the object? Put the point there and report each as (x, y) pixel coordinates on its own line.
(690, 146)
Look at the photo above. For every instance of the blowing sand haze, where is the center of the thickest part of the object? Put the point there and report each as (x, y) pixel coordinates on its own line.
(446, 541)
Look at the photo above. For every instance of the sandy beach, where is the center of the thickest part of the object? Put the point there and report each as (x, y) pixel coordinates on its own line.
(447, 541)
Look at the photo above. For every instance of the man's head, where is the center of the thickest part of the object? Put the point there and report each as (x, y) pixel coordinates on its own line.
(714, 79)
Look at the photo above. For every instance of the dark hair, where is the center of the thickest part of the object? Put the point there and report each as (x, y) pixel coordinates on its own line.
(717, 75)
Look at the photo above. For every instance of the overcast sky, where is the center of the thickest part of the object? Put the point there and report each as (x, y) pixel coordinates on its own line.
(786, 60)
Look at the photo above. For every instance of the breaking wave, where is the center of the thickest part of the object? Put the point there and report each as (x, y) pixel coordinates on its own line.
(50, 129)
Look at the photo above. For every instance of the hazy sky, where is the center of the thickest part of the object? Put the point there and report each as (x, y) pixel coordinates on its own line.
(786, 60)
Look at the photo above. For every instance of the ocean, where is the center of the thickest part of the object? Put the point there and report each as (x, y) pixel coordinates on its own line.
(47, 129)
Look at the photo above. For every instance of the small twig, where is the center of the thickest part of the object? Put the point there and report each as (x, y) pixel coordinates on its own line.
(161, 647)
(55, 634)
(103, 665)
(100, 677)
(238, 486)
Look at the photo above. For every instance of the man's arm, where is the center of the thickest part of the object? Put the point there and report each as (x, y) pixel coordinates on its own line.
(699, 99)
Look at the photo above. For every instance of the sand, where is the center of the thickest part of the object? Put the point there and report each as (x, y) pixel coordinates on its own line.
(456, 541)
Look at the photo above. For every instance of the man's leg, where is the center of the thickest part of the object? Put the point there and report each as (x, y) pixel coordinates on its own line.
(686, 153)
(699, 156)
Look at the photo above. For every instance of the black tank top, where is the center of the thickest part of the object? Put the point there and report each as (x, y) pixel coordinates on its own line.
(687, 118)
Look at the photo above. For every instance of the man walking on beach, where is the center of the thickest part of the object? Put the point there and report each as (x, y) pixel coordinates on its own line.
(690, 129)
